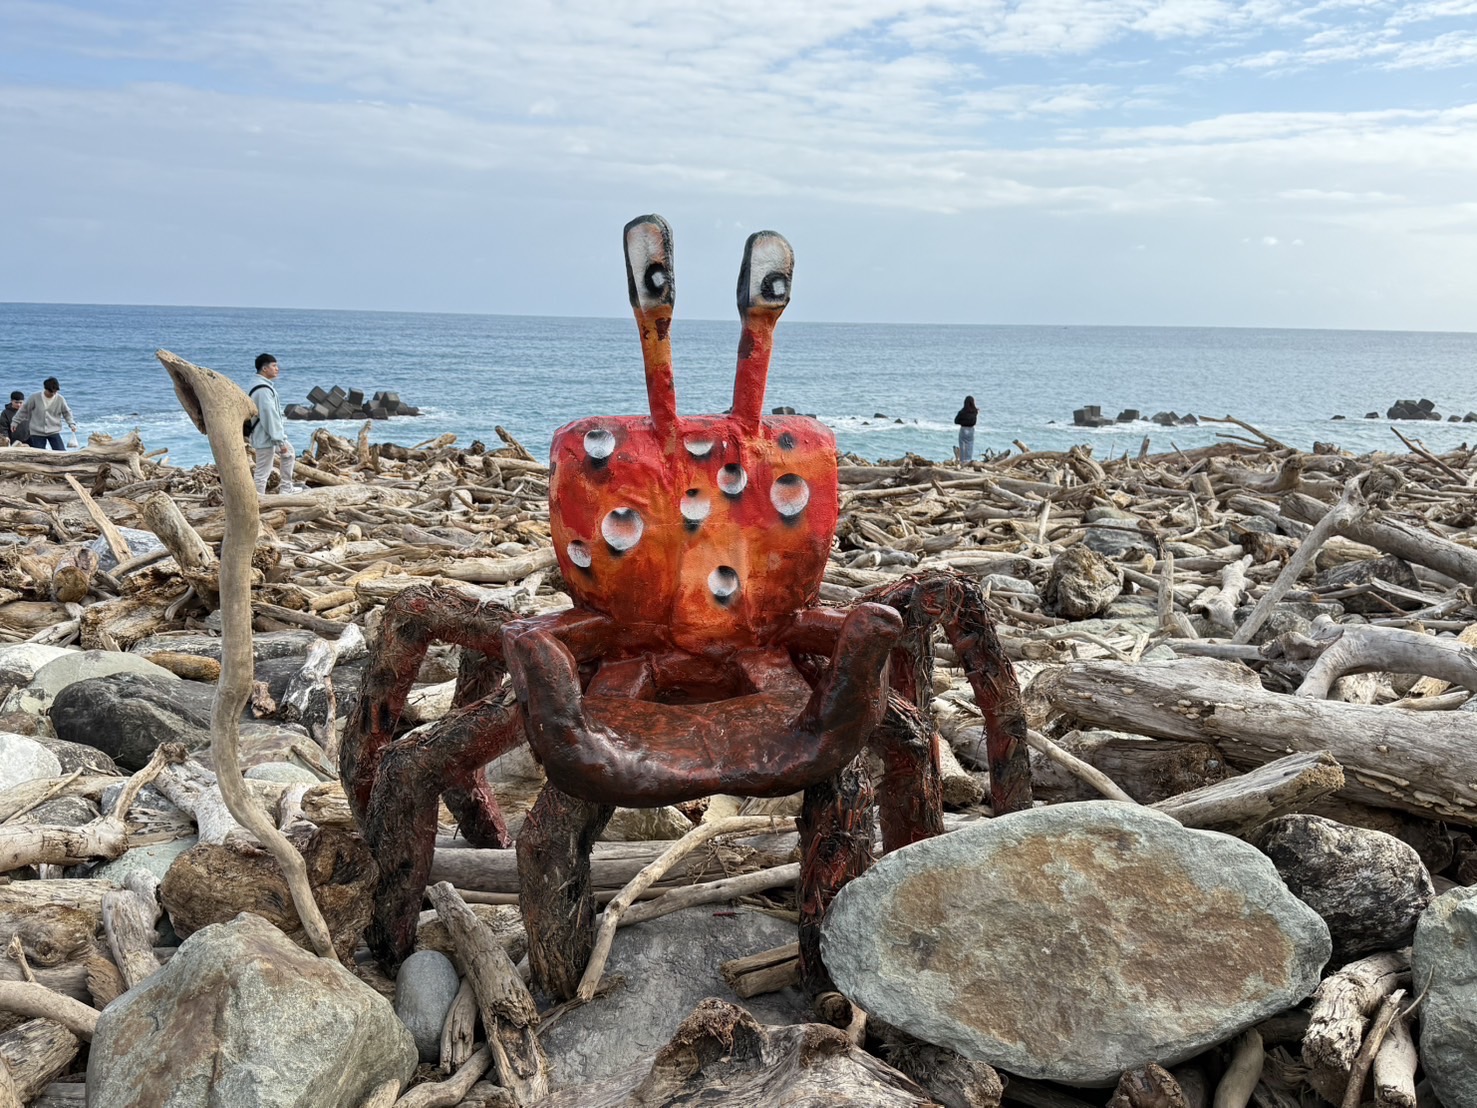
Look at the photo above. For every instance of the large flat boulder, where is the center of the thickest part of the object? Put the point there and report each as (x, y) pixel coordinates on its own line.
(242, 1016)
(127, 715)
(1074, 942)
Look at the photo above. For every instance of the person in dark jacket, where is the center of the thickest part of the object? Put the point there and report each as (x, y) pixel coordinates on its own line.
(966, 419)
(7, 419)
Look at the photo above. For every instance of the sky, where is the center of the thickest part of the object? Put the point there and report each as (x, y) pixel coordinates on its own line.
(1272, 163)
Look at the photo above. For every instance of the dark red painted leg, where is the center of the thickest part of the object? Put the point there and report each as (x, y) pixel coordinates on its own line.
(957, 604)
(836, 832)
(910, 792)
(554, 886)
(400, 822)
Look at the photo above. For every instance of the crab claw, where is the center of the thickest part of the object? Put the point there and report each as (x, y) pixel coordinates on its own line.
(643, 754)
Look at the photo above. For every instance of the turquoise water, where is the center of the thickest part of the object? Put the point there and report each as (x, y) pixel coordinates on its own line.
(532, 374)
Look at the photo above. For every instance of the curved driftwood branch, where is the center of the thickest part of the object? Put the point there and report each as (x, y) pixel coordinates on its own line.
(1355, 648)
(218, 407)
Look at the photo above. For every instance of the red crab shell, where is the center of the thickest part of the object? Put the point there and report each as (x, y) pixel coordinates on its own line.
(709, 547)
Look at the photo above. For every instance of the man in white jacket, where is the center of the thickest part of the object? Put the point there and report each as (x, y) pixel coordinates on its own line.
(268, 436)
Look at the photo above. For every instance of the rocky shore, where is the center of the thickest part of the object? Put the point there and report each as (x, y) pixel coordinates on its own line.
(1249, 877)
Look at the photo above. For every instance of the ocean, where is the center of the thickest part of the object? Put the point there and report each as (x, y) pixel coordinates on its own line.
(886, 389)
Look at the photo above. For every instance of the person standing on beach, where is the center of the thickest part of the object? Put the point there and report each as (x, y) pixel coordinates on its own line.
(966, 419)
(9, 430)
(268, 436)
(43, 414)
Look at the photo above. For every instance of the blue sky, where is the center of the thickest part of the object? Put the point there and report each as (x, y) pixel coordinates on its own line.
(1266, 163)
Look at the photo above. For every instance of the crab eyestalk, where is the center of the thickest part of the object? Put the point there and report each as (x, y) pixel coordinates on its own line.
(763, 291)
(652, 288)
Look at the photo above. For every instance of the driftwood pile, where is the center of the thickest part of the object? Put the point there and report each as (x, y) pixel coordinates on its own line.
(1231, 634)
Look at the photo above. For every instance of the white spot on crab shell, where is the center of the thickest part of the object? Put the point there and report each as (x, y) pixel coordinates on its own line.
(789, 494)
(699, 448)
(599, 444)
(622, 528)
(695, 506)
(723, 583)
(732, 479)
(579, 554)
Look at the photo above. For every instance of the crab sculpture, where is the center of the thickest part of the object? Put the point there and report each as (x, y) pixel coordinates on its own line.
(695, 659)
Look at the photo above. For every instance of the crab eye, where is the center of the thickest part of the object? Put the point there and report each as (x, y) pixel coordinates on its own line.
(765, 278)
(732, 479)
(649, 262)
(695, 507)
(579, 554)
(723, 583)
(622, 529)
(789, 495)
(599, 445)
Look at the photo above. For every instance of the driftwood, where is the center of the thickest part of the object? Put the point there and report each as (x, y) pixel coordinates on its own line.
(1345, 649)
(1343, 1006)
(1419, 762)
(35, 1054)
(218, 407)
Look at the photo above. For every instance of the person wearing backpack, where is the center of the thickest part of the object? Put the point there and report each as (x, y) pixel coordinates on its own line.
(42, 416)
(267, 434)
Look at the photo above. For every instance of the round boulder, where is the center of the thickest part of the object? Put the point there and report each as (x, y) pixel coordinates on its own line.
(1074, 942)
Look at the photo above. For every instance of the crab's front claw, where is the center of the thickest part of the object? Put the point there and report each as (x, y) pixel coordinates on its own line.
(642, 754)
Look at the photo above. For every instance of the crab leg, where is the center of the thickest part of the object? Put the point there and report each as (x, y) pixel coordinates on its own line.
(652, 288)
(763, 291)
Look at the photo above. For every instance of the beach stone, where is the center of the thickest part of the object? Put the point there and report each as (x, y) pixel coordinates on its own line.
(634, 825)
(1444, 960)
(1369, 887)
(670, 964)
(24, 759)
(212, 883)
(79, 756)
(424, 989)
(282, 772)
(722, 1055)
(1075, 941)
(64, 811)
(242, 1016)
(138, 542)
(156, 858)
(267, 741)
(19, 663)
(1081, 584)
(1113, 542)
(127, 715)
(68, 669)
(1004, 583)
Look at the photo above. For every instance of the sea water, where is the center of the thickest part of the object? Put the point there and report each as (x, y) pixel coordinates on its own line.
(886, 389)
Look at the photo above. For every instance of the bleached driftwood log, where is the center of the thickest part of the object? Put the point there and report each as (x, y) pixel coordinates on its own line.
(1359, 648)
(1421, 762)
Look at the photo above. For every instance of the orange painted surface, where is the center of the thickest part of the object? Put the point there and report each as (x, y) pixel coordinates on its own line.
(706, 550)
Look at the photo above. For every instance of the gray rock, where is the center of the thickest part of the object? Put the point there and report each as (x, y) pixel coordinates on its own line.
(424, 989)
(1081, 584)
(1445, 955)
(19, 663)
(1369, 887)
(669, 965)
(24, 759)
(139, 542)
(282, 771)
(1074, 942)
(65, 811)
(155, 858)
(242, 1016)
(74, 756)
(127, 715)
(1115, 541)
(1004, 583)
(1289, 616)
(78, 665)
